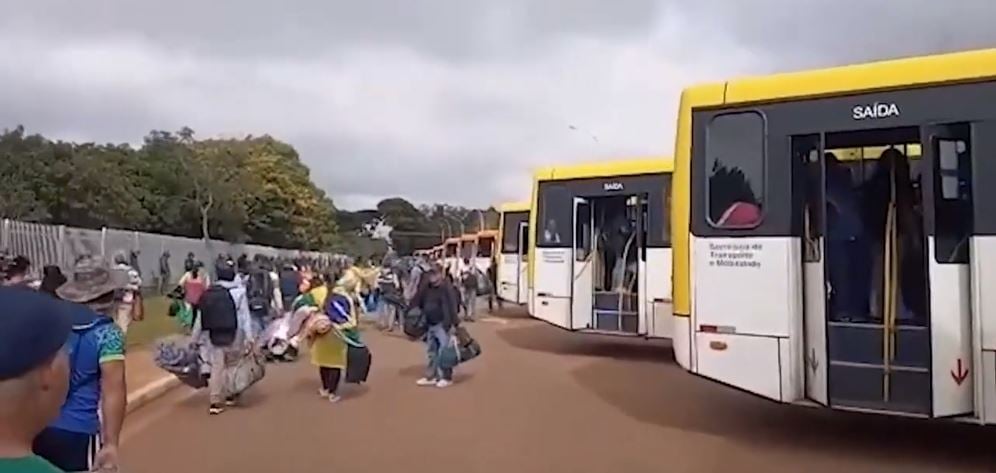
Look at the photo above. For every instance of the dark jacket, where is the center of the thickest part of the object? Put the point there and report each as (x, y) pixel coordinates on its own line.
(438, 305)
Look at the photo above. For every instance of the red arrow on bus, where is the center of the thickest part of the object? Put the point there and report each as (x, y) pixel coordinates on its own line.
(960, 374)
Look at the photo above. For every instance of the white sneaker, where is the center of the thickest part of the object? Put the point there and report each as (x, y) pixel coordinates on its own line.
(426, 382)
(333, 398)
(323, 392)
(444, 383)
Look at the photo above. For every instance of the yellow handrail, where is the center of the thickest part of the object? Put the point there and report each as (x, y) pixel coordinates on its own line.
(890, 273)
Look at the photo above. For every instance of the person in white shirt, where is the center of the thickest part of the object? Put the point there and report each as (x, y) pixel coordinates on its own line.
(129, 308)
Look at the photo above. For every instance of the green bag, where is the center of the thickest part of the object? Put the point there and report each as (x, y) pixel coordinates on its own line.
(184, 314)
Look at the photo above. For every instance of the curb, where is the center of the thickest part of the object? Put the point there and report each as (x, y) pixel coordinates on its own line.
(151, 392)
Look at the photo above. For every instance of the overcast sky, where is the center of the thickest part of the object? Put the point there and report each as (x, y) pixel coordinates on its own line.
(431, 100)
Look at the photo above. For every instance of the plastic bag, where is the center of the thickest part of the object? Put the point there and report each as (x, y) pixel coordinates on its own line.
(449, 356)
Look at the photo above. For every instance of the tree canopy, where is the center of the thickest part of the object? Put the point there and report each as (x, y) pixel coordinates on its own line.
(419, 227)
(254, 189)
(248, 190)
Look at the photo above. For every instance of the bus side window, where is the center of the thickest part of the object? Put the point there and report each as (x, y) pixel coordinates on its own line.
(952, 201)
(510, 234)
(666, 227)
(735, 155)
(525, 242)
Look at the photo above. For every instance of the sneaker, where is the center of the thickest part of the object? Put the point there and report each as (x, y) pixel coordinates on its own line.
(444, 383)
(323, 392)
(334, 398)
(426, 382)
(232, 401)
(215, 409)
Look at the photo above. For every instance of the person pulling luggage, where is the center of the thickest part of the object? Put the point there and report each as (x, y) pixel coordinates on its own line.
(225, 317)
(436, 301)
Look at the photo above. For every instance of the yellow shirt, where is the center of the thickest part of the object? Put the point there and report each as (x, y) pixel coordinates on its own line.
(320, 294)
(329, 350)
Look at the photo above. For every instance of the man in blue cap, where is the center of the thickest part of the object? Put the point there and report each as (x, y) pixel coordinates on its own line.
(34, 374)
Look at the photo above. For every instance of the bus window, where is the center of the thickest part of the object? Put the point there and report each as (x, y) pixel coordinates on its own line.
(525, 241)
(510, 231)
(554, 216)
(484, 247)
(952, 201)
(735, 163)
(666, 214)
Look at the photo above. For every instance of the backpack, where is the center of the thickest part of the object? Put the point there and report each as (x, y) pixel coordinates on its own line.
(470, 278)
(259, 290)
(290, 285)
(219, 315)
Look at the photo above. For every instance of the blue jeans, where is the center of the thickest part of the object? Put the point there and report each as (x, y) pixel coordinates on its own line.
(435, 340)
(389, 315)
(258, 324)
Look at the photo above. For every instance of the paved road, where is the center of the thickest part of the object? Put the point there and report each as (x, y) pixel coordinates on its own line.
(538, 400)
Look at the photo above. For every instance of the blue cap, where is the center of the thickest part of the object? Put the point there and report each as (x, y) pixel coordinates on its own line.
(33, 327)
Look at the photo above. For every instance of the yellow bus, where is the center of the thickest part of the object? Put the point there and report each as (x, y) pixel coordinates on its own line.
(600, 247)
(451, 255)
(513, 253)
(485, 249)
(831, 238)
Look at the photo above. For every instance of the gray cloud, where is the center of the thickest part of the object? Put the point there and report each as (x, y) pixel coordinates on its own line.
(458, 29)
(817, 33)
(433, 100)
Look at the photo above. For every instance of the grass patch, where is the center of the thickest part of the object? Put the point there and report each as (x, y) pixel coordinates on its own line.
(157, 323)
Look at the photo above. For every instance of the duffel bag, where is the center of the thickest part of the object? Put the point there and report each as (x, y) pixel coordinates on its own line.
(247, 372)
(415, 324)
(470, 351)
(467, 347)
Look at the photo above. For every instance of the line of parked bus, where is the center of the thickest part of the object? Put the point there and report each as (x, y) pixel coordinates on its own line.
(828, 243)
(477, 248)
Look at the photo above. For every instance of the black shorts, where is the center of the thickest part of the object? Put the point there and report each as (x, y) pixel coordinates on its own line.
(69, 451)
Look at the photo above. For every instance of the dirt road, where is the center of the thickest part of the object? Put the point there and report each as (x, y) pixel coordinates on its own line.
(538, 400)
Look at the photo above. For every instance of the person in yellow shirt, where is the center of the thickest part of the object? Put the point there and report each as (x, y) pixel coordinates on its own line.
(329, 350)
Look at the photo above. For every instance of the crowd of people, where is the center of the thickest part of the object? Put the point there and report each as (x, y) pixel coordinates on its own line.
(62, 338)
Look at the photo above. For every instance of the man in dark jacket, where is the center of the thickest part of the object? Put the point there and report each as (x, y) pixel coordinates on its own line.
(435, 300)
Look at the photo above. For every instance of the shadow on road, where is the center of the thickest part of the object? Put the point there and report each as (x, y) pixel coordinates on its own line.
(669, 397)
(549, 339)
(417, 371)
(512, 312)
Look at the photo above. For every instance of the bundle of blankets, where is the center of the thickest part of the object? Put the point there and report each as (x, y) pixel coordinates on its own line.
(282, 339)
(180, 355)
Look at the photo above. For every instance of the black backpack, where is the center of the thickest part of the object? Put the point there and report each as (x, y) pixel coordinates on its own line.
(259, 291)
(219, 315)
(289, 284)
